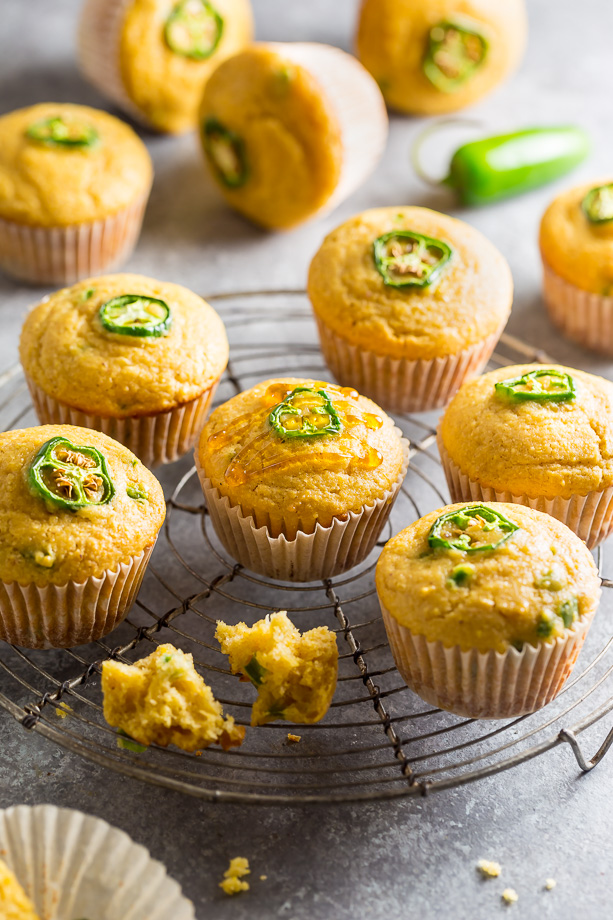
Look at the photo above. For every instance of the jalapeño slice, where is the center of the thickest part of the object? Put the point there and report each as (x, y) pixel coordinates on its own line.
(137, 315)
(304, 413)
(70, 476)
(193, 29)
(407, 259)
(58, 131)
(472, 529)
(455, 51)
(225, 151)
(598, 204)
(544, 385)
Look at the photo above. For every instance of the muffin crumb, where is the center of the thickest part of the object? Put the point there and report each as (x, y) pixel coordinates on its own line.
(510, 896)
(488, 868)
(232, 878)
(294, 739)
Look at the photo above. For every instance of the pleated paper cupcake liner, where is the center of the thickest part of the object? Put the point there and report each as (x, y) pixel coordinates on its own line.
(589, 516)
(325, 553)
(583, 317)
(155, 439)
(400, 384)
(64, 255)
(484, 685)
(72, 865)
(62, 616)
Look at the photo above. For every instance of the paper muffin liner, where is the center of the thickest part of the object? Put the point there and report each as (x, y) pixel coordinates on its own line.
(584, 317)
(64, 255)
(484, 685)
(400, 384)
(159, 438)
(589, 516)
(73, 865)
(326, 552)
(62, 616)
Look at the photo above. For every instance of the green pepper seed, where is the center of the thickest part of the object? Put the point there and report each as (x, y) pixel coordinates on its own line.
(465, 529)
(58, 131)
(136, 315)
(407, 259)
(305, 413)
(193, 29)
(456, 50)
(546, 385)
(598, 204)
(255, 672)
(462, 575)
(226, 153)
(68, 476)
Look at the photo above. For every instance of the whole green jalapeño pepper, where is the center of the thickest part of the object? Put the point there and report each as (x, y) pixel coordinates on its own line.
(69, 476)
(193, 29)
(456, 49)
(136, 315)
(546, 385)
(60, 132)
(407, 259)
(472, 529)
(598, 204)
(305, 413)
(225, 151)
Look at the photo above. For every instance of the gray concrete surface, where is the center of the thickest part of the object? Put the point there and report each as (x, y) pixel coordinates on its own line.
(413, 858)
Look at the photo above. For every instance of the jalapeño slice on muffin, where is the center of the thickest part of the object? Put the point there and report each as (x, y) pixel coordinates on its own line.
(471, 529)
(305, 412)
(61, 131)
(455, 51)
(546, 385)
(226, 153)
(598, 204)
(407, 259)
(136, 315)
(193, 29)
(68, 476)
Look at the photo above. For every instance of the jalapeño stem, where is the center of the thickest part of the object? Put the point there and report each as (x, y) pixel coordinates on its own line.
(464, 528)
(60, 132)
(69, 476)
(136, 315)
(598, 204)
(193, 29)
(407, 259)
(304, 413)
(225, 151)
(543, 385)
(456, 50)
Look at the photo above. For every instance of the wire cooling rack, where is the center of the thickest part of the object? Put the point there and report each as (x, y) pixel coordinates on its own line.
(378, 740)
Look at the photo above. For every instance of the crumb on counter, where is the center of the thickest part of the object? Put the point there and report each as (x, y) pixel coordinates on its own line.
(232, 878)
(263, 878)
(488, 868)
(510, 896)
(62, 710)
(293, 738)
(550, 884)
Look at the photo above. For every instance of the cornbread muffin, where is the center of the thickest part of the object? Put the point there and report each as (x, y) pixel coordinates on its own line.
(436, 56)
(74, 183)
(79, 516)
(14, 903)
(486, 606)
(153, 57)
(290, 129)
(159, 348)
(539, 435)
(576, 241)
(300, 476)
(294, 674)
(163, 700)
(409, 303)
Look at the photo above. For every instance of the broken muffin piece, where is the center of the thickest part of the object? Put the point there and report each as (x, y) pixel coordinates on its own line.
(163, 700)
(295, 675)
(14, 903)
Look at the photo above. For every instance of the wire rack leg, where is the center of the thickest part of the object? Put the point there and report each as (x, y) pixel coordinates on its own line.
(586, 765)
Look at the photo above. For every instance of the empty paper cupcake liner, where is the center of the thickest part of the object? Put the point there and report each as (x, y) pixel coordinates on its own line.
(589, 516)
(155, 439)
(326, 552)
(484, 685)
(62, 616)
(400, 384)
(584, 317)
(64, 255)
(72, 865)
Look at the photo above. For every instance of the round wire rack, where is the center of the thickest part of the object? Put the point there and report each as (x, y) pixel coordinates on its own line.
(378, 740)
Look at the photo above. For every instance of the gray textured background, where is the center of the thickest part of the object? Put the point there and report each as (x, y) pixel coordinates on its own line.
(413, 858)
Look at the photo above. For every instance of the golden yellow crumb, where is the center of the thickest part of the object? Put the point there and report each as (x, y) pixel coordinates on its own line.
(510, 896)
(488, 869)
(550, 883)
(62, 710)
(263, 878)
(294, 738)
(232, 883)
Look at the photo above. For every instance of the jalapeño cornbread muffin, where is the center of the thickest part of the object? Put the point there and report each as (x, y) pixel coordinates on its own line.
(163, 700)
(290, 130)
(436, 56)
(300, 477)
(486, 607)
(74, 183)
(79, 517)
(409, 303)
(14, 902)
(535, 434)
(157, 348)
(294, 674)
(576, 241)
(153, 57)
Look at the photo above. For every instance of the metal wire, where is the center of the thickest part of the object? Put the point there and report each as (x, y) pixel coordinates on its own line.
(379, 740)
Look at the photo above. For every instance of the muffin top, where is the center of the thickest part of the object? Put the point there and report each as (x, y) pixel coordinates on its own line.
(169, 50)
(271, 136)
(301, 447)
(64, 164)
(487, 576)
(576, 237)
(410, 283)
(74, 503)
(95, 331)
(544, 431)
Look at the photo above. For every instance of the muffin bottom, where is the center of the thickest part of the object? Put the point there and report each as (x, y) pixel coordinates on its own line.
(584, 317)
